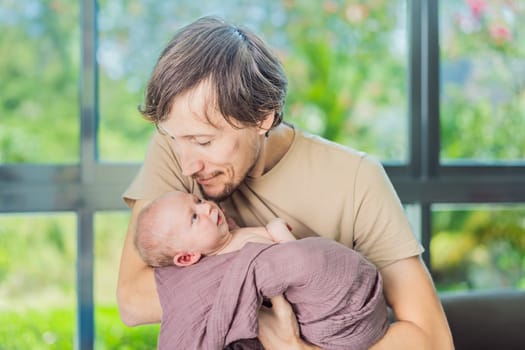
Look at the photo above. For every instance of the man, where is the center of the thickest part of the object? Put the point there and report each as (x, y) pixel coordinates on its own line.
(216, 96)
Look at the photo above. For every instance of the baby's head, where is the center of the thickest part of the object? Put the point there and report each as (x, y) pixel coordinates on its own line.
(178, 228)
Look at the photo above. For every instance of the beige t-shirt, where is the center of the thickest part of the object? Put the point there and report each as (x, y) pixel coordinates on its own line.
(318, 187)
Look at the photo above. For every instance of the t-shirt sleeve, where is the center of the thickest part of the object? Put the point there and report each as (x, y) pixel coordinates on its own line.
(161, 172)
(381, 229)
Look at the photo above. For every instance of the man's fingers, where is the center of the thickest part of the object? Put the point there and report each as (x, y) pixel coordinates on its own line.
(281, 306)
(278, 327)
(279, 301)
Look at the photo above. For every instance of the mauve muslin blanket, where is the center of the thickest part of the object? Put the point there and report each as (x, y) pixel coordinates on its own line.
(336, 295)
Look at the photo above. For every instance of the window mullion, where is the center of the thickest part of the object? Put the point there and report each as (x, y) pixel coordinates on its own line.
(430, 126)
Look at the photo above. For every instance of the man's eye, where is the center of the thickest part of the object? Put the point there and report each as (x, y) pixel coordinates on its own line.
(202, 141)
(199, 201)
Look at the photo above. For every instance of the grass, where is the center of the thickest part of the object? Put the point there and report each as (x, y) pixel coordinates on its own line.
(54, 328)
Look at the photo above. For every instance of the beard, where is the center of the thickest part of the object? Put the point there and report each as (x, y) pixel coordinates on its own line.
(230, 186)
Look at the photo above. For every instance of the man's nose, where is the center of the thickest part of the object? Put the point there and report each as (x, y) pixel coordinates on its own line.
(191, 164)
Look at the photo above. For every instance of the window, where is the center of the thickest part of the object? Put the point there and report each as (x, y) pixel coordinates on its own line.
(363, 105)
(477, 246)
(109, 330)
(407, 81)
(39, 101)
(483, 81)
(37, 270)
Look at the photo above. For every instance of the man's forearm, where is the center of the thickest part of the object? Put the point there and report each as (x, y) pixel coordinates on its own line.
(137, 297)
(403, 335)
(137, 303)
(410, 293)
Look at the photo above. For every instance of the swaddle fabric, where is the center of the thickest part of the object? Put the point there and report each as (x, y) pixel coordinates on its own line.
(336, 294)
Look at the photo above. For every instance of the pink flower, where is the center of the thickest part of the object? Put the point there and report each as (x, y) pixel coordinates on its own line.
(330, 6)
(500, 33)
(477, 7)
(356, 13)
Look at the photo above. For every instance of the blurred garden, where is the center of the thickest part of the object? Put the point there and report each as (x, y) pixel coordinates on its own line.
(347, 63)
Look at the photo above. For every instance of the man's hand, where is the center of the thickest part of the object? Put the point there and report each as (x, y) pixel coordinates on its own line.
(278, 328)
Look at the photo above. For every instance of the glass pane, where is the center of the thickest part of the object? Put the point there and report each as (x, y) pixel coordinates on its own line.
(39, 110)
(111, 333)
(37, 281)
(478, 246)
(338, 86)
(483, 80)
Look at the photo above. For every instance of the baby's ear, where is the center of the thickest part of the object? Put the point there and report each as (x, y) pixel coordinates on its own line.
(186, 258)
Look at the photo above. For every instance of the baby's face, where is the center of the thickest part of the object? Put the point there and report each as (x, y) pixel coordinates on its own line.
(198, 225)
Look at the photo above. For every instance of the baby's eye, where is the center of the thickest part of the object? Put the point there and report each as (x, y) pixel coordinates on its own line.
(194, 218)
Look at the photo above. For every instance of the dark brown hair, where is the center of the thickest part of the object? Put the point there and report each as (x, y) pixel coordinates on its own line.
(247, 80)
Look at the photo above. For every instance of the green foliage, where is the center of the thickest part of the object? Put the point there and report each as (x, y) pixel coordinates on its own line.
(343, 92)
(338, 87)
(483, 81)
(38, 253)
(39, 101)
(123, 133)
(110, 229)
(112, 334)
(346, 61)
(50, 328)
(37, 274)
(479, 248)
(54, 328)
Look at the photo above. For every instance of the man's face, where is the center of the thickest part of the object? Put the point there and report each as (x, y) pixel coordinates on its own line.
(212, 151)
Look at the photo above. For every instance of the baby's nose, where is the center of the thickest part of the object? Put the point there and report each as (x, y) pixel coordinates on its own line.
(204, 207)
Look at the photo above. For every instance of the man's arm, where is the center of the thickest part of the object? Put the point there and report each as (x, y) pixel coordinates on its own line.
(409, 291)
(411, 294)
(137, 297)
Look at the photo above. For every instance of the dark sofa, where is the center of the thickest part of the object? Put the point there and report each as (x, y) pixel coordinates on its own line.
(486, 320)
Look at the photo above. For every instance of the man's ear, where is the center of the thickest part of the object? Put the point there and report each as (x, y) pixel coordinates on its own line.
(266, 124)
(186, 258)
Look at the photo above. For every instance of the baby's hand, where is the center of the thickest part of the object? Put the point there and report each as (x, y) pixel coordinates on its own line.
(278, 224)
(279, 230)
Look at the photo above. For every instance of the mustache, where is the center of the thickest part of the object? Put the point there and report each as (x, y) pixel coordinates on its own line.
(206, 176)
